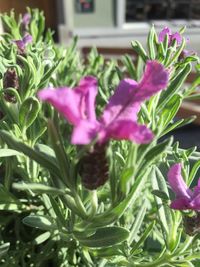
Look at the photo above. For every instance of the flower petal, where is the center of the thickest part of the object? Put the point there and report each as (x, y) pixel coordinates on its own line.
(84, 132)
(180, 204)
(176, 36)
(120, 105)
(177, 183)
(20, 44)
(154, 79)
(74, 104)
(88, 88)
(162, 34)
(65, 100)
(27, 39)
(195, 203)
(129, 130)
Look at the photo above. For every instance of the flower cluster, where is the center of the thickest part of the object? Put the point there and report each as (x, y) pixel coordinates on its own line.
(119, 118)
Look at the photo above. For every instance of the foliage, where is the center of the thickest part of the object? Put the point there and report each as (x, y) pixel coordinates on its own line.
(47, 216)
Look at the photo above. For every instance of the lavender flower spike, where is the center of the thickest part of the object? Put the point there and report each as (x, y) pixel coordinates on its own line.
(119, 118)
(172, 36)
(186, 199)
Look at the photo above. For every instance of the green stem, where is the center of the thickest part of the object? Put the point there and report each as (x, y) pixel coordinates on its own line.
(94, 203)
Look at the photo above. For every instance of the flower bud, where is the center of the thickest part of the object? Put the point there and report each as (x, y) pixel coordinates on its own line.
(192, 224)
(10, 79)
(94, 167)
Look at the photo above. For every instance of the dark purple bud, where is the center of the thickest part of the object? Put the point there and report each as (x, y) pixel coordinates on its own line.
(192, 224)
(94, 167)
(10, 79)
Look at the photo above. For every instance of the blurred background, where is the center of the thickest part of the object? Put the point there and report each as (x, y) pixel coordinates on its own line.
(111, 25)
(113, 22)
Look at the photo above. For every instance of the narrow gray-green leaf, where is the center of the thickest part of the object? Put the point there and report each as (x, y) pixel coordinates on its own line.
(104, 237)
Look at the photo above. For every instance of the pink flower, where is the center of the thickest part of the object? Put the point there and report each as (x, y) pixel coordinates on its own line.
(21, 44)
(185, 198)
(119, 118)
(172, 36)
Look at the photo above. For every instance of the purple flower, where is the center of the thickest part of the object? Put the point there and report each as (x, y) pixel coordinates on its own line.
(185, 197)
(187, 53)
(26, 20)
(172, 36)
(119, 118)
(21, 44)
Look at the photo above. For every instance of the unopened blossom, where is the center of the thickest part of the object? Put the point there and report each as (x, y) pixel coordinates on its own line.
(186, 199)
(119, 118)
(21, 44)
(10, 80)
(172, 36)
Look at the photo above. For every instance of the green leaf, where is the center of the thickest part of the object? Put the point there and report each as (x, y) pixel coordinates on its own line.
(6, 152)
(170, 110)
(150, 43)
(45, 79)
(156, 152)
(193, 172)
(39, 221)
(137, 223)
(184, 264)
(138, 48)
(160, 194)
(38, 188)
(6, 197)
(20, 146)
(14, 207)
(144, 236)
(128, 62)
(42, 238)
(28, 112)
(159, 184)
(176, 54)
(108, 251)
(178, 124)
(60, 152)
(4, 249)
(46, 150)
(104, 237)
(193, 97)
(174, 86)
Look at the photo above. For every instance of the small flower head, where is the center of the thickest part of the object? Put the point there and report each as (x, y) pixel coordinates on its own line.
(21, 44)
(119, 118)
(186, 199)
(172, 36)
(187, 53)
